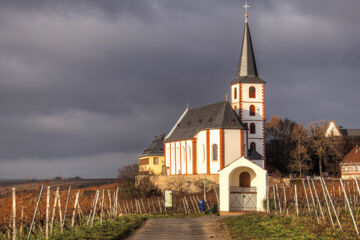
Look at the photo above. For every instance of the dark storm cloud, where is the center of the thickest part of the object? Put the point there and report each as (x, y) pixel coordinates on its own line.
(89, 83)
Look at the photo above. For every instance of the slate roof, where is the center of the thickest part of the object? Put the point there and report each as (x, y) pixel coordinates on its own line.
(247, 49)
(350, 132)
(254, 155)
(247, 61)
(216, 115)
(352, 157)
(156, 147)
(247, 79)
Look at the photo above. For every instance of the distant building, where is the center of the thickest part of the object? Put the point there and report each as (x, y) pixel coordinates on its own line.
(151, 161)
(350, 166)
(335, 130)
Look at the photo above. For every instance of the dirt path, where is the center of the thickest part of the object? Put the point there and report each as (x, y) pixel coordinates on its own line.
(181, 228)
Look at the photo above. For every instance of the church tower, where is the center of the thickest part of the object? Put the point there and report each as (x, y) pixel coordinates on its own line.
(248, 99)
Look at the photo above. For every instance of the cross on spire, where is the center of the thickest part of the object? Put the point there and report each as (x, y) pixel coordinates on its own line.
(246, 6)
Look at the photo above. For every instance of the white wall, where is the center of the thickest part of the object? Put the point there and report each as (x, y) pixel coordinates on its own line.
(189, 157)
(245, 111)
(258, 93)
(232, 145)
(201, 152)
(214, 139)
(167, 155)
(258, 179)
(172, 160)
(332, 130)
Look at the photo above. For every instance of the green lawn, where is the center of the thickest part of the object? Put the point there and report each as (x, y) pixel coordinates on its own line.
(262, 226)
(118, 228)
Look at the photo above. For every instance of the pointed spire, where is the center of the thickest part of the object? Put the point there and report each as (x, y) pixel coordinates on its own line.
(247, 63)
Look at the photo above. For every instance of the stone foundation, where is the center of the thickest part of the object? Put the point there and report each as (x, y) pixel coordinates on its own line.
(182, 182)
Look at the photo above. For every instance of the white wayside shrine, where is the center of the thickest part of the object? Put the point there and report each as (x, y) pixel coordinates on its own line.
(226, 139)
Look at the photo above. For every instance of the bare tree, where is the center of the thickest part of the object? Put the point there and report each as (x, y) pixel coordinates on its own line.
(299, 155)
(319, 142)
(128, 173)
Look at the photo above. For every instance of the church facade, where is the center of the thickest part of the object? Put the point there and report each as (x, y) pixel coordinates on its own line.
(205, 140)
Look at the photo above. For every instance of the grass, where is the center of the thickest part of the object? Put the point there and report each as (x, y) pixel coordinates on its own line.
(261, 226)
(112, 229)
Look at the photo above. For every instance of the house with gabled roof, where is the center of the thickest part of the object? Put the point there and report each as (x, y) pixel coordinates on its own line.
(151, 161)
(350, 165)
(334, 130)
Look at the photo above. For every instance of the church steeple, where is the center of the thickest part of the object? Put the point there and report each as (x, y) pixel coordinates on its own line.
(248, 99)
(247, 63)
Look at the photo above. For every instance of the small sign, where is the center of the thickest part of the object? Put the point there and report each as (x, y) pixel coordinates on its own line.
(168, 198)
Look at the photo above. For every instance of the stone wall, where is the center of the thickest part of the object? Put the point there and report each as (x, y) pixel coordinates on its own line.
(183, 182)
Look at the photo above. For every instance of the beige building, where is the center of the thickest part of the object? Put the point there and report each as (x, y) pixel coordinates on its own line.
(151, 161)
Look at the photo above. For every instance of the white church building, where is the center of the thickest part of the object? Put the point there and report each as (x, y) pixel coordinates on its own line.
(226, 138)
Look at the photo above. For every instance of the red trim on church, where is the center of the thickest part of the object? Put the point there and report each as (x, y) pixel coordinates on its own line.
(221, 148)
(194, 155)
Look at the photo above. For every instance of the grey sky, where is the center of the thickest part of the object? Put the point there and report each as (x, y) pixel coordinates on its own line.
(85, 85)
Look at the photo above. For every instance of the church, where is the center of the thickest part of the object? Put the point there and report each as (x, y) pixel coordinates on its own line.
(205, 140)
(226, 139)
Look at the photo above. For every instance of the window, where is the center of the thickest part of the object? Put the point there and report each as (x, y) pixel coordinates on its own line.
(345, 169)
(252, 93)
(156, 160)
(144, 161)
(252, 128)
(215, 152)
(235, 93)
(252, 110)
(252, 146)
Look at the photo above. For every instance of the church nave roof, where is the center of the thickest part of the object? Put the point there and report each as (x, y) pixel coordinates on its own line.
(216, 115)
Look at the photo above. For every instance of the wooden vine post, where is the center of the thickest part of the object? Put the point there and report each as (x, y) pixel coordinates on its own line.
(74, 210)
(331, 203)
(47, 213)
(348, 204)
(66, 206)
(296, 202)
(327, 204)
(37, 206)
(14, 213)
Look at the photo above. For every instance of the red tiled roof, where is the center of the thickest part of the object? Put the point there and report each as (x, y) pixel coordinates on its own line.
(353, 156)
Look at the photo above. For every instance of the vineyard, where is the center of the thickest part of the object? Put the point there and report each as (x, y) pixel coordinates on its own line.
(331, 203)
(39, 211)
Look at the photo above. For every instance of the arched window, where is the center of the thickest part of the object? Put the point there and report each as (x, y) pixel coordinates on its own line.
(215, 152)
(244, 179)
(252, 110)
(252, 128)
(252, 92)
(235, 93)
(252, 146)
